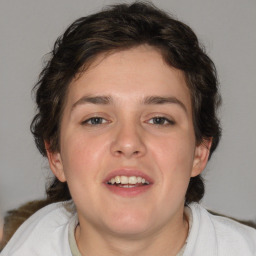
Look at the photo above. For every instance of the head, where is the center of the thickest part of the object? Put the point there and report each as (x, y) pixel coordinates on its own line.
(116, 29)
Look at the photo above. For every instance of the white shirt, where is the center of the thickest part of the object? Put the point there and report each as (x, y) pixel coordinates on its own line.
(46, 233)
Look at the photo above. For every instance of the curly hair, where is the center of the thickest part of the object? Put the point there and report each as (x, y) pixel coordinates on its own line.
(116, 28)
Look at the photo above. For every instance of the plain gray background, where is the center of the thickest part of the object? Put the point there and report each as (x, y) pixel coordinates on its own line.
(28, 29)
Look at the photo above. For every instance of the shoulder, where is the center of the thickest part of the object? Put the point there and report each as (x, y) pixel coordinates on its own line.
(227, 236)
(234, 235)
(44, 230)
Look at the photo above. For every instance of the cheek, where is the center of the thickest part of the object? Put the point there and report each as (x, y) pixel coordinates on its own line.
(176, 162)
(175, 152)
(174, 159)
(81, 154)
(82, 164)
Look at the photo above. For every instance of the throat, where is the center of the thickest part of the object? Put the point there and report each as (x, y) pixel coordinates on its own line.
(109, 244)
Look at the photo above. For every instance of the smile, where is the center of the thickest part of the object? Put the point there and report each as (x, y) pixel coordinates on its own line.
(128, 182)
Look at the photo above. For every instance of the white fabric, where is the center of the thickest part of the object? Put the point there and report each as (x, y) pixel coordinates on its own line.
(71, 236)
(218, 236)
(46, 233)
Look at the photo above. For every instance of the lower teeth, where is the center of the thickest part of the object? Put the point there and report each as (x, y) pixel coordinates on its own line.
(126, 186)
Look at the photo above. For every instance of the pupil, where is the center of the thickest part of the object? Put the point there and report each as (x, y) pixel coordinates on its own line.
(96, 120)
(159, 120)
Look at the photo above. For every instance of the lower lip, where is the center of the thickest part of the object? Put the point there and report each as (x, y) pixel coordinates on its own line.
(128, 192)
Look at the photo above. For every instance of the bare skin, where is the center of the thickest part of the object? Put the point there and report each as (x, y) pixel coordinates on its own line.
(129, 115)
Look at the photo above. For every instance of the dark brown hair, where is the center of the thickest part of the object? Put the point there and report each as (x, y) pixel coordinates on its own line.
(117, 28)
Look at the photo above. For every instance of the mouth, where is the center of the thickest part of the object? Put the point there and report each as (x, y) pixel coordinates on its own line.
(128, 183)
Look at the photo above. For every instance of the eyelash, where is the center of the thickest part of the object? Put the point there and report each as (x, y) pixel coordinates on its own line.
(163, 121)
(158, 120)
(94, 121)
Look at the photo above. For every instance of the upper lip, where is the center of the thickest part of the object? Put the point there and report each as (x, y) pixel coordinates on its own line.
(127, 172)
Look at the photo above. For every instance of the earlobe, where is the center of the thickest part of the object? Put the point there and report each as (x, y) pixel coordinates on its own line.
(55, 162)
(201, 157)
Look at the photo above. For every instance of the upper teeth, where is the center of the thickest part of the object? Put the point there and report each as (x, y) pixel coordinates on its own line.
(127, 180)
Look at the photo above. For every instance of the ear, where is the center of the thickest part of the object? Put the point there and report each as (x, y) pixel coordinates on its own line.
(55, 162)
(202, 152)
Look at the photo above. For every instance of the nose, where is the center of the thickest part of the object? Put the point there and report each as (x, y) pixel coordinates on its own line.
(128, 142)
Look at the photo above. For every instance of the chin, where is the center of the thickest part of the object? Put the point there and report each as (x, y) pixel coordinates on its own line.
(127, 224)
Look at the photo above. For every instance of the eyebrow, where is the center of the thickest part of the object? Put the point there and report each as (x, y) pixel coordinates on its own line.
(159, 100)
(101, 100)
(150, 100)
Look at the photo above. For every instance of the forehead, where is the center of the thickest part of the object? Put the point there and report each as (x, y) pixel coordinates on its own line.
(134, 73)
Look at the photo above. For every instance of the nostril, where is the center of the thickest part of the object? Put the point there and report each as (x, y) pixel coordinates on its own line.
(120, 152)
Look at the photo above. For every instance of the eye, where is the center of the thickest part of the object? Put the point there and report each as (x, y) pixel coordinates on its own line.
(159, 120)
(94, 121)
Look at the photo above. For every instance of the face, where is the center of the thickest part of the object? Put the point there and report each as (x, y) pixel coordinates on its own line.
(127, 144)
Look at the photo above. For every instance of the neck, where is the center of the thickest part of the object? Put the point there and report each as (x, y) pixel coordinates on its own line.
(166, 241)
